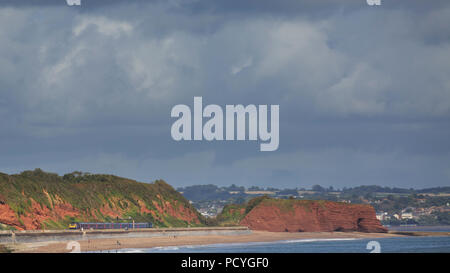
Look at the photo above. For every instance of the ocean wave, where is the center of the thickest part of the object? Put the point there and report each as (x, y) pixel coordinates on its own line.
(132, 250)
(317, 240)
(229, 245)
(166, 248)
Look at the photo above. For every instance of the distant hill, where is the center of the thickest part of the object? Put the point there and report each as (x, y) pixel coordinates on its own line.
(41, 200)
(202, 193)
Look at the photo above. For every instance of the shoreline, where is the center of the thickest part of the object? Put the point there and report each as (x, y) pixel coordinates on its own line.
(110, 244)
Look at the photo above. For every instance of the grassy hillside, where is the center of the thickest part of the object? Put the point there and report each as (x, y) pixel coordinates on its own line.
(232, 214)
(89, 197)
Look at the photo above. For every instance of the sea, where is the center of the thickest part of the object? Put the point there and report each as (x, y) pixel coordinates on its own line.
(413, 244)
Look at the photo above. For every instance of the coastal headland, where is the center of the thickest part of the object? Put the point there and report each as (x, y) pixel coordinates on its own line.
(290, 215)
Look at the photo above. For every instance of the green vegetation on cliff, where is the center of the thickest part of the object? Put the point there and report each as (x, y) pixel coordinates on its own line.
(92, 197)
(6, 227)
(231, 215)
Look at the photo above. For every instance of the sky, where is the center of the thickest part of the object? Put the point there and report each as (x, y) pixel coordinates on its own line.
(364, 91)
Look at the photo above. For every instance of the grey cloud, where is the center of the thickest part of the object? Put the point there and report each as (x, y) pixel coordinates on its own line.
(360, 102)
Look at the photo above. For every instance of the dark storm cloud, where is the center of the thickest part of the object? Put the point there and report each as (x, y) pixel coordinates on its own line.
(363, 92)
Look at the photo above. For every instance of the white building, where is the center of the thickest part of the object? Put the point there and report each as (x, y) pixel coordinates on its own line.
(407, 215)
(380, 216)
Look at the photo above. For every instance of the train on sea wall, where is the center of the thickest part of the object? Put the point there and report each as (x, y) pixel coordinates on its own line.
(78, 225)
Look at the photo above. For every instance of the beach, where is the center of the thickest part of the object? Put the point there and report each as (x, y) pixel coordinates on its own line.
(108, 244)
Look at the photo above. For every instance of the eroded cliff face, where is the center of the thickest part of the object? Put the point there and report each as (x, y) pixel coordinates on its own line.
(311, 216)
(38, 216)
(38, 200)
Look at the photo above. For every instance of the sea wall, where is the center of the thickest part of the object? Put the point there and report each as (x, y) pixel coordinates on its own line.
(77, 235)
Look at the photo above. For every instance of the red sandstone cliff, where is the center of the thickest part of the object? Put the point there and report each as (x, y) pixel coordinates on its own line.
(311, 216)
(40, 200)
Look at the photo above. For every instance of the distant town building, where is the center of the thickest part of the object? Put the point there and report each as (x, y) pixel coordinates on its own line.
(383, 216)
(380, 216)
(407, 215)
(260, 192)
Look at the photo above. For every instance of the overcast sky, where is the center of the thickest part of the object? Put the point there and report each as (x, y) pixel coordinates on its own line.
(364, 92)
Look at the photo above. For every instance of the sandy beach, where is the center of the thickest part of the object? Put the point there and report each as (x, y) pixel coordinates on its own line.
(164, 241)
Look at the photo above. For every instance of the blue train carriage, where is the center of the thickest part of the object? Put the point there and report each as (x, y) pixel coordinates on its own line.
(78, 225)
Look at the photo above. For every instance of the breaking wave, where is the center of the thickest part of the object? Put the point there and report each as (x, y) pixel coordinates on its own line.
(189, 248)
